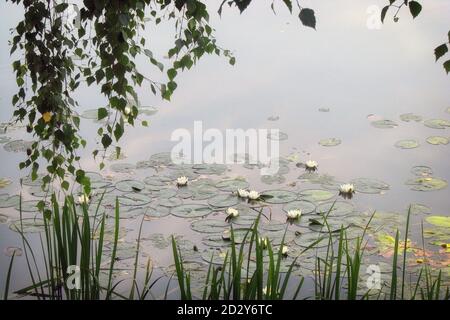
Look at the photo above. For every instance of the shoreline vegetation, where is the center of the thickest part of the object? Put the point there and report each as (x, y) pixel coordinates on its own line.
(73, 237)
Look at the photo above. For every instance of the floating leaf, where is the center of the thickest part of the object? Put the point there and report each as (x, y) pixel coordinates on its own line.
(209, 226)
(169, 202)
(335, 208)
(417, 208)
(28, 225)
(279, 196)
(436, 140)
(330, 142)
(122, 167)
(384, 124)
(232, 184)
(273, 179)
(407, 117)
(208, 169)
(7, 201)
(278, 136)
(223, 200)
(371, 186)
(407, 144)
(427, 184)
(17, 146)
(305, 240)
(4, 182)
(190, 211)
(421, 171)
(134, 199)
(316, 195)
(130, 186)
(28, 206)
(437, 123)
(439, 221)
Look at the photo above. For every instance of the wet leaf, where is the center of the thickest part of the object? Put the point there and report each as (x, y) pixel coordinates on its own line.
(191, 211)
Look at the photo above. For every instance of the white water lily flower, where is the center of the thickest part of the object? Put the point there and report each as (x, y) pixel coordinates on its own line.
(83, 199)
(284, 250)
(253, 195)
(182, 181)
(311, 165)
(294, 214)
(242, 193)
(127, 110)
(232, 213)
(346, 188)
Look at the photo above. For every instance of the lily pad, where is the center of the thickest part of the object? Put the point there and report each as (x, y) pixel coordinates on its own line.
(436, 140)
(422, 171)
(437, 123)
(384, 124)
(273, 179)
(316, 195)
(278, 136)
(279, 196)
(160, 181)
(202, 192)
(407, 117)
(4, 139)
(407, 144)
(169, 202)
(427, 184)
(209, 226)
(417, 208)
(209, 169)
(28, 225)
(305, 206)
(7, 201)
(223, 200)
(134, 199)
(335, 208)
(191, 211)
(130, 186)
(330, 142)
(305, 240)
(148, 211)
(17, 146)
(28, 206)
(368, 185)
(232, 184)
(122, 167)
(4, 182)
(439, 221)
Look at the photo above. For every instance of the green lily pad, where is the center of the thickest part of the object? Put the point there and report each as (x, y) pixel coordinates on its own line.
(209, 169)
(273, 225)
(161, 159)
(335, 208)
(4, 139)
(407, 117)
(215, 256)
(147, 111)
(305, 206)
(28, 206)
(191, 211)
(122, 167)
(169, 202)
(28, 225)
(427, 184)
(158, 240)
(417, 208)
(273, 179)
(209, 226)
(17, 146)
(330, 142)
(134, 199)
(384, 124)
(276, 236)
(223, 200)
(7, 201)
(436, 140)
(164, 193)
(278, 136)
(232, 184)
(437, 123)
(279, 196)
(316, 195)
(4, 182)
(368, 185)
(439, 221)
(202, 192)
(130, 186)
(305, 240)
(407, 144)
(160, 181)
(422, 171)
(148, 211)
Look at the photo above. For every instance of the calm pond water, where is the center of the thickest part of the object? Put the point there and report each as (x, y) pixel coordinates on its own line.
(338, 82)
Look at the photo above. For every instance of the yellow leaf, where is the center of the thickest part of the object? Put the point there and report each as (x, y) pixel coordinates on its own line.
(47, 116)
